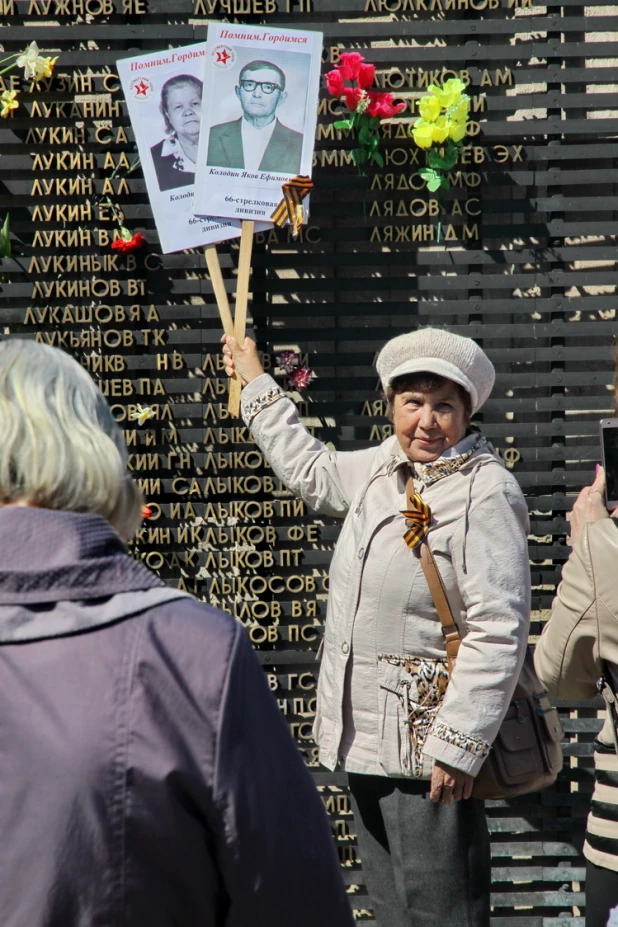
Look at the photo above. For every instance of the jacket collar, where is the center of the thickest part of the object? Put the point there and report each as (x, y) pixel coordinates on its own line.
(49, 556)
(398, 458)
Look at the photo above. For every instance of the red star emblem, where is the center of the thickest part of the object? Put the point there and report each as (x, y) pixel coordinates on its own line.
(141, 89)
(222, 57)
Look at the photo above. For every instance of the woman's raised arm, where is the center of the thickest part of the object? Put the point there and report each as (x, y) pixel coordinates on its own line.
(325, 479)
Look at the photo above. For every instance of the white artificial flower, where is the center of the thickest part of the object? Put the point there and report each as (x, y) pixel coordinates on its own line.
(29, 61)
(142, 414)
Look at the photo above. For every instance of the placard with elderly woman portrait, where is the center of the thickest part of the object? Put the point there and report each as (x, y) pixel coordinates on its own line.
(258, 122)
(164, 93)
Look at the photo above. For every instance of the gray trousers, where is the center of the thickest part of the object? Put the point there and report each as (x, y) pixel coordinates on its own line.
(424, 864)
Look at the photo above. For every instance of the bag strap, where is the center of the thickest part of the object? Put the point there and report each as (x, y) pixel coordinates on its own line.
(452, 637)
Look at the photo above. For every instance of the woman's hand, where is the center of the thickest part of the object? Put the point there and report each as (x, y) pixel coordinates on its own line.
(589, 506)
(243, 360)
(449, 784)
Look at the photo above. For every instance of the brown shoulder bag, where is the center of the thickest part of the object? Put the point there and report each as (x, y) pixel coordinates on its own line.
(526, 755)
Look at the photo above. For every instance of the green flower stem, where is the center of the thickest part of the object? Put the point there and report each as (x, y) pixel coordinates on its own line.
(365, 129)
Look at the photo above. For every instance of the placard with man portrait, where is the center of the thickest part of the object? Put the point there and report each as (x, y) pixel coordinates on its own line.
(258, 125)
(164, 94)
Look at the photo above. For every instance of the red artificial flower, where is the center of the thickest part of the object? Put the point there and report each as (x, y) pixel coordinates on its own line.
(366, 76)
(381, 106)
(395, 110)
(132, 243)
(301, 378)
(352, 98)
(334, 83)
(376, 101)
(350, 65)
(146, 511)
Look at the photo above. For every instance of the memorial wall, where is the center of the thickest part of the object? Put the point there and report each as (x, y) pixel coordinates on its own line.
(525, 264)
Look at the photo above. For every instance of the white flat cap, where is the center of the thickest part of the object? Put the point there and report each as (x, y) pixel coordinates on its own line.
(436, 350)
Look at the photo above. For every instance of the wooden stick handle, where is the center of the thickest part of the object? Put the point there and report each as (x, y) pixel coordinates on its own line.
(242, 300)
(242, 286)
(216, 278)
(223, 305)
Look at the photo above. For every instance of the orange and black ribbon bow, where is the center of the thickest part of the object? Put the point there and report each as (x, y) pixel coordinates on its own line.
(291, 206)
(418, 520)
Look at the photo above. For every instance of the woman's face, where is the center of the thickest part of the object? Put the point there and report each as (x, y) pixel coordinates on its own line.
(427, 423)
(184, 105)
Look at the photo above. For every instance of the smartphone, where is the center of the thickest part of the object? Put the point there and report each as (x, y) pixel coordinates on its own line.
(609, 451)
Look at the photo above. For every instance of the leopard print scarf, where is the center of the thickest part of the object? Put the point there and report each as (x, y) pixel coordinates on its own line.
(436, 470)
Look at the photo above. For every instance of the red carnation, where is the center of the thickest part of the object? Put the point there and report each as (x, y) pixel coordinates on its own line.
(146, 511)
(352, 97)
(301, 378)
(287, 360)
(334, 83)
(350, 65)
(128, 242)
(366, 76)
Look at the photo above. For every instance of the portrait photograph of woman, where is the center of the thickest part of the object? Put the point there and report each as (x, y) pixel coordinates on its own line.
(174, 157)
(163, 93)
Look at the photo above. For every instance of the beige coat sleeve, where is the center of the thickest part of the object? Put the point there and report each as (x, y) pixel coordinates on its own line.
(566, 656)
(325, 479)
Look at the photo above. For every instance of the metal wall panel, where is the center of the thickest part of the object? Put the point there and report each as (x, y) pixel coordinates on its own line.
(528, 268)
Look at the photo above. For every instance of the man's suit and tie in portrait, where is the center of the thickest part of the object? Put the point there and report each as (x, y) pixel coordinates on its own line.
(257, 141)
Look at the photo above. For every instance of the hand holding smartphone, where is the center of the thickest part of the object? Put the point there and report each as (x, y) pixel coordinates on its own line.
(609, 452)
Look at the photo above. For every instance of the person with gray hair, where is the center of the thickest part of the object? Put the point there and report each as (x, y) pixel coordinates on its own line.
(147, 776)
(411, 736)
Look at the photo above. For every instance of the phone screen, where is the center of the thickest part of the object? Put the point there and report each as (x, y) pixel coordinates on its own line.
(610, 456)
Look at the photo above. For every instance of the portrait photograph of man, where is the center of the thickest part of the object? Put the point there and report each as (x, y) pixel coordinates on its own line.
(259, 117)
(258, 140)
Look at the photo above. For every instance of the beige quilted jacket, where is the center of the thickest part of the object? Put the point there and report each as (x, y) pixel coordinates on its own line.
(383, 639)
(583, 628)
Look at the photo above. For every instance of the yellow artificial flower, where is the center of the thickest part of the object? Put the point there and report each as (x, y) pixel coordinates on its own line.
(8, 102)
(429, 108)
(142, 414)
(50, 64)
(454, 85)
(457, 131)
(450, 94)
(440, 130)
(422, 133)
(459, 113)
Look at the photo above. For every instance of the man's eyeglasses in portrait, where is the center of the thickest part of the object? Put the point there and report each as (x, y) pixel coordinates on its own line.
(266, 86)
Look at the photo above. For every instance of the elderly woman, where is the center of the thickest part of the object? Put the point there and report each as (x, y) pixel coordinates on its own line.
(175, 156)
(147, 776)
(383, 667)
(579, 648)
